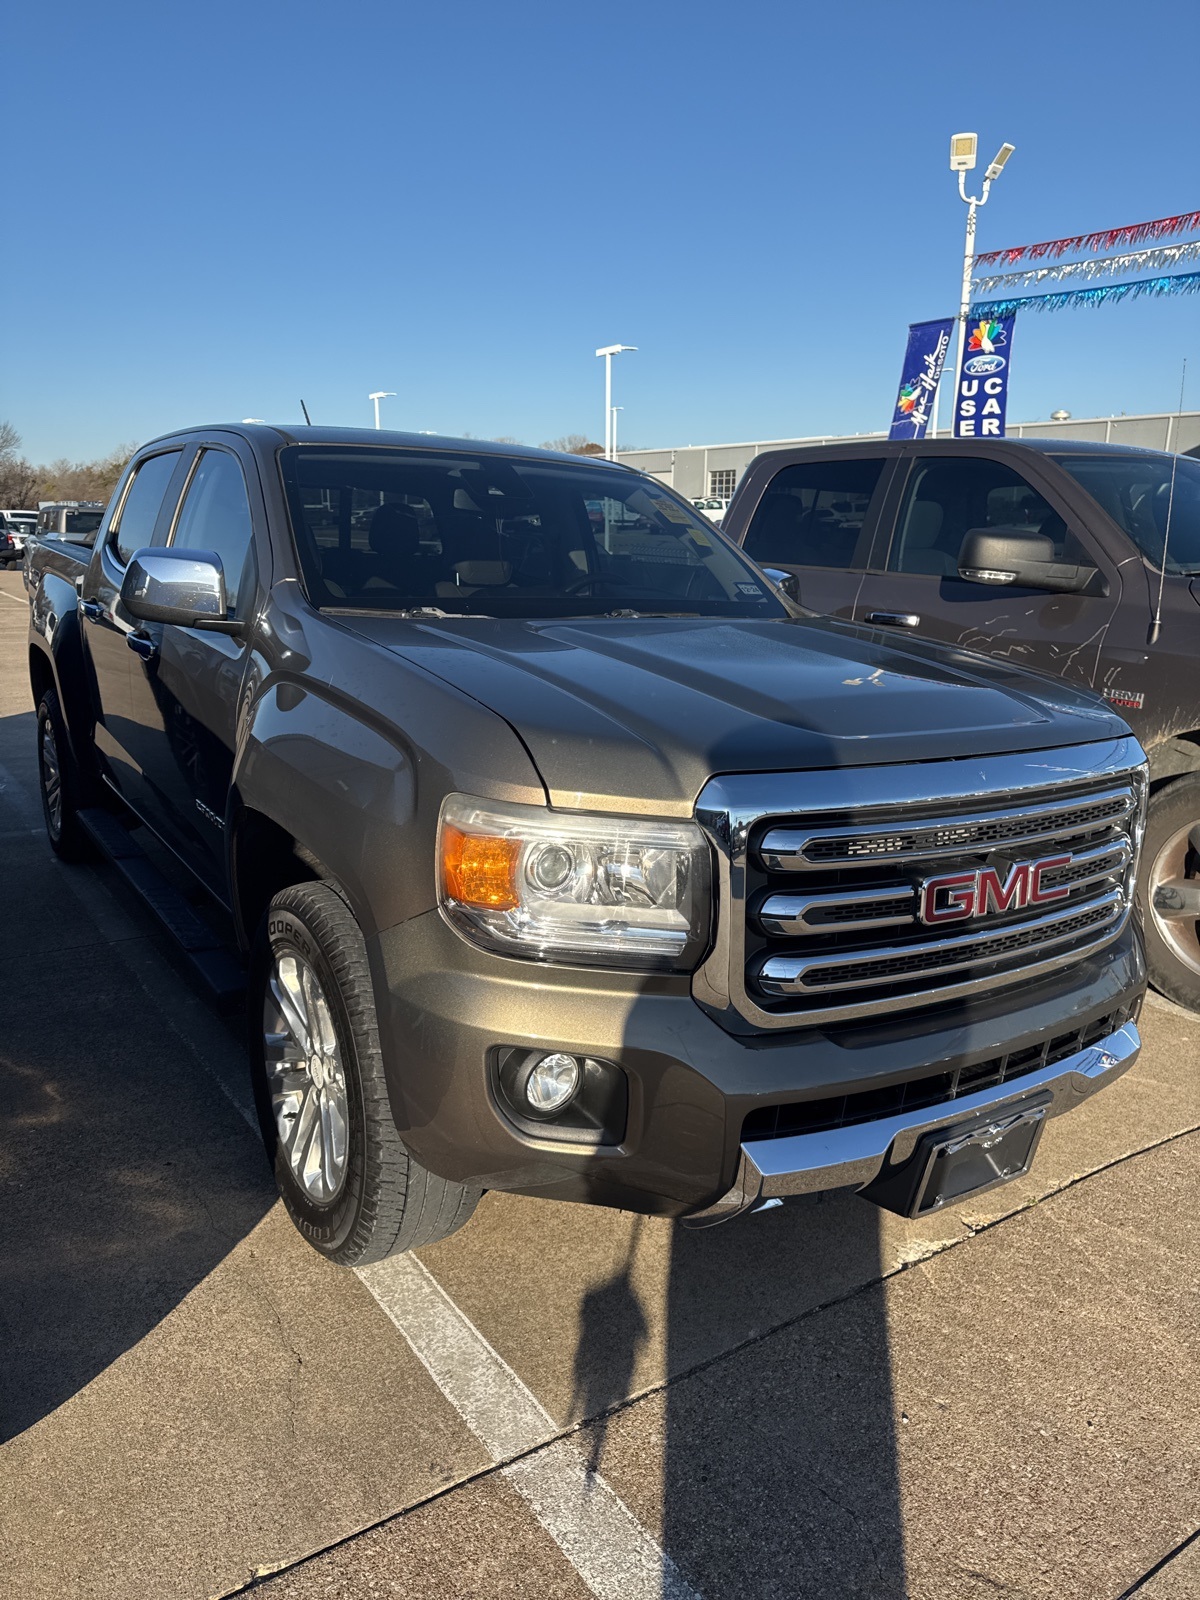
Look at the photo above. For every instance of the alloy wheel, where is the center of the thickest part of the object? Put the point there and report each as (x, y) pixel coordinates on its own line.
(306, 1077)
(1175, 895)
(51, 777)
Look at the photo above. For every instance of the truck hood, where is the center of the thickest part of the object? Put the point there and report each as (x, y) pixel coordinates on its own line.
(638, 714)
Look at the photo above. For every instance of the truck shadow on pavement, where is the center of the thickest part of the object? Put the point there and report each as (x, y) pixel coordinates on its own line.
(780, 1473)
(775, 1473)
(124, 1181)
(123, 1189)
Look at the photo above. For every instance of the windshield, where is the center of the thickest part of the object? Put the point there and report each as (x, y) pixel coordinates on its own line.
(1136, 492)
(395, 530)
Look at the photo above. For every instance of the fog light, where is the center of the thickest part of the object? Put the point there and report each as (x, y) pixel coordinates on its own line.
(552, 1084)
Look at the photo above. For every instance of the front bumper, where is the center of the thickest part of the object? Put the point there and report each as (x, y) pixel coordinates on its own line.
(445, 1008)
(853, 1157)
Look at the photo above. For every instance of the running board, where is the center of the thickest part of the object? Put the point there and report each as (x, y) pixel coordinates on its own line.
(212, 961)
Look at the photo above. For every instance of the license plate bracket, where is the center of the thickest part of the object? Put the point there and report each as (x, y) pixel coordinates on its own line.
(950, 1163)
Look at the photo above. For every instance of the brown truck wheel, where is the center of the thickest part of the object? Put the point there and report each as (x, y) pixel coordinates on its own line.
(349, 1184)
(1169, 884)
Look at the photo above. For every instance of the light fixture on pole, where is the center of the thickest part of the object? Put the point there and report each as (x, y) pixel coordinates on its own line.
(608, 351)
(964, 152)
(613, 414)
(381, 394)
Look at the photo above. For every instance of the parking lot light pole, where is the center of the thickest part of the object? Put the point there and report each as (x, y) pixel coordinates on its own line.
(613, 414)
(381, 394)
(608, 351)
(964, 152)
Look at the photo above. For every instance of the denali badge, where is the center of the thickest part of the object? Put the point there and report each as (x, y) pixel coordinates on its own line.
(984, 894)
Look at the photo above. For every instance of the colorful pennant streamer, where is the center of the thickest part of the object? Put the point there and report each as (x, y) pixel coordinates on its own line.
(1092, 243)
(1155, 261)
(1177, 283)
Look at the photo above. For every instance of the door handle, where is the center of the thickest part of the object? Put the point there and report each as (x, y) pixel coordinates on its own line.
(92, 610)
(142, 645)
(894, 619)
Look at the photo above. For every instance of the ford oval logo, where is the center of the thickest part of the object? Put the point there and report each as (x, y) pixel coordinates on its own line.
(980, 366)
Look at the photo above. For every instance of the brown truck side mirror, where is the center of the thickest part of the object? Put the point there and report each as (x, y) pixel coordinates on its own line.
(1023, 559)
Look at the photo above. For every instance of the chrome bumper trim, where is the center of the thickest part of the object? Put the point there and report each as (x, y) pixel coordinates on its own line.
(852, 1157)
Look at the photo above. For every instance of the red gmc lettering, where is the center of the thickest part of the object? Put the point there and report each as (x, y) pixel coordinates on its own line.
(960, 898)
(1008, 896)
(985, 893)
(1037, 895)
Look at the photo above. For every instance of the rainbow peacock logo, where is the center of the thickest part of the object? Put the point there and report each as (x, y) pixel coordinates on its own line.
(908, 398)
(986, 336)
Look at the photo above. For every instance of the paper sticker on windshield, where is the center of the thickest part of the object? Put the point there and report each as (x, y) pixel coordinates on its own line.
(671, 511)
(750, 588)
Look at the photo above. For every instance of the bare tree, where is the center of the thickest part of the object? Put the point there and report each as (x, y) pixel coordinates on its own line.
(18, 480)
(575, 444)
(84, 480)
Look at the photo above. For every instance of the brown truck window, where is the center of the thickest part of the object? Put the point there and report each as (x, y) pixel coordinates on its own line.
(812, 514)
(948, 496)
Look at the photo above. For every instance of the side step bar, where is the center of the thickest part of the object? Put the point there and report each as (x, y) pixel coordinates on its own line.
(212, 961)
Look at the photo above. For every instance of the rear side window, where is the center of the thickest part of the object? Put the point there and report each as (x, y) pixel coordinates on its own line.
(812, 514)
(216, 516)
(949, 496)
(139, 512)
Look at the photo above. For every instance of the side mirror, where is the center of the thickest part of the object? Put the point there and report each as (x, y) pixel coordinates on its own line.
(788, 583)
(186, 587)
(1023, 559)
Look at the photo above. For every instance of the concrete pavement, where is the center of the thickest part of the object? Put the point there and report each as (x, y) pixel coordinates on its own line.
(821, 1400)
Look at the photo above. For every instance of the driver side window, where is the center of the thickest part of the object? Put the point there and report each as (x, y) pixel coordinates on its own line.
(948, 497)
(215, 515)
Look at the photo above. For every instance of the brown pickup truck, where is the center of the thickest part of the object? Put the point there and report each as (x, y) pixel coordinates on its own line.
(564, 855)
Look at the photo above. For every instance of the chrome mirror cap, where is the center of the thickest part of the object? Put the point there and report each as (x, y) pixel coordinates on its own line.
(180, 586)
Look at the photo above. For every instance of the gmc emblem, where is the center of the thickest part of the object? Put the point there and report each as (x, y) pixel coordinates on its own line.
(984, 893)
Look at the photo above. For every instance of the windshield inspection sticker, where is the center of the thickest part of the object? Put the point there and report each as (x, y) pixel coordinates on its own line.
(672, 512)
(750, 588)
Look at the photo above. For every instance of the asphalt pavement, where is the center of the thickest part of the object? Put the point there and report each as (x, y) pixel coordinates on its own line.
(818, 1401)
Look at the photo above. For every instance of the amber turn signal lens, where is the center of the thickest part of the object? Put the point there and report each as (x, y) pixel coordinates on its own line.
(479, 869)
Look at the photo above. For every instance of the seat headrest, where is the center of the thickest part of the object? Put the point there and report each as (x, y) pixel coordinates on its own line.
(394, 531)
(483, 574)
(923, 526)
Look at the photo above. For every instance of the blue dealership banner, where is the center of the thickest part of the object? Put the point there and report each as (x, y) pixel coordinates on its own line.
(981, 395)
(924, 359)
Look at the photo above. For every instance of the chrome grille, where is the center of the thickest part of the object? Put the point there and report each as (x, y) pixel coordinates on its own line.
(823, 908)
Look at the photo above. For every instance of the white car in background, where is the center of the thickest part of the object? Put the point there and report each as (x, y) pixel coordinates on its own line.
(713, 509)
(15, 529)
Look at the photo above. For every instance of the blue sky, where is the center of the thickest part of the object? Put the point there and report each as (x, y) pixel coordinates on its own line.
(216, 210)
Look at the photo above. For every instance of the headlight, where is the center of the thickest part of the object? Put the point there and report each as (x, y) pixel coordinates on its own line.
(553, 886)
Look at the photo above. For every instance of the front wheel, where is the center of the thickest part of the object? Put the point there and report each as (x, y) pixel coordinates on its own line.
(348, 1182)
(1169, 881)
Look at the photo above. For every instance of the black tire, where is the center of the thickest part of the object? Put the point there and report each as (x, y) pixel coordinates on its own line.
(1172, 943)
(59, 784)
(387, 1203)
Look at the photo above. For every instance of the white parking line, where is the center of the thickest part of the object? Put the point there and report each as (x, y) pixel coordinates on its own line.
(586, 1518)
(613, 1554)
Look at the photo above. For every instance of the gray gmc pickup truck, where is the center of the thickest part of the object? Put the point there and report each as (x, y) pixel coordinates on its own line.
(566, 855)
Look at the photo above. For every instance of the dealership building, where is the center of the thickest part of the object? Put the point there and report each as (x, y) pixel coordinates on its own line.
(704, 470)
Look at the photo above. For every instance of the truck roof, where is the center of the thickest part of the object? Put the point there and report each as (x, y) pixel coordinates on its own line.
(273, 434)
